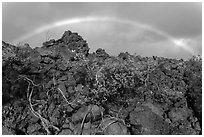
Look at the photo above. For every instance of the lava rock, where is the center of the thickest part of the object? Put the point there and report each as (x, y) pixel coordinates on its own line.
(151, 123)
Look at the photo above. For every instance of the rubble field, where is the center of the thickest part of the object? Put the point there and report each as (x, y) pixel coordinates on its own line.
(62, 89)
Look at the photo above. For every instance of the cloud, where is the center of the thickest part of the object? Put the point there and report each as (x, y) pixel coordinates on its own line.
(177, 19)
(18, 18)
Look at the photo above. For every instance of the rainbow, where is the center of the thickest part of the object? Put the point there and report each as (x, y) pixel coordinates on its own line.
(177, 42)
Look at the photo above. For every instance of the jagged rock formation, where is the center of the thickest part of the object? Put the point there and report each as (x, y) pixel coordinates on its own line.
(61, 88)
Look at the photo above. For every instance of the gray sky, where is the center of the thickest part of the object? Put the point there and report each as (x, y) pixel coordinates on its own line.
(171, 29)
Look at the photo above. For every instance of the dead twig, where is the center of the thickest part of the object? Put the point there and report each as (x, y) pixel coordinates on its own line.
(146, 80)
(30, 81)
(46, 124)
(117, 116)
(109, 125)
(65, 97)
(82, 123)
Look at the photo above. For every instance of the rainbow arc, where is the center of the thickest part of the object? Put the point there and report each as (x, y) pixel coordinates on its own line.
(176, 42)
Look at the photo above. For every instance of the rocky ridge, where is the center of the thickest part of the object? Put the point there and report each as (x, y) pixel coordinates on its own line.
(61, 89)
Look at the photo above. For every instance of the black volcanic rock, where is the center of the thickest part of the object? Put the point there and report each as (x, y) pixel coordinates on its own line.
(61, 88)
(75, 42)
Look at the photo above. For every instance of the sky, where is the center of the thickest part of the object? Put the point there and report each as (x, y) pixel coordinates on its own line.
(162, 29)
